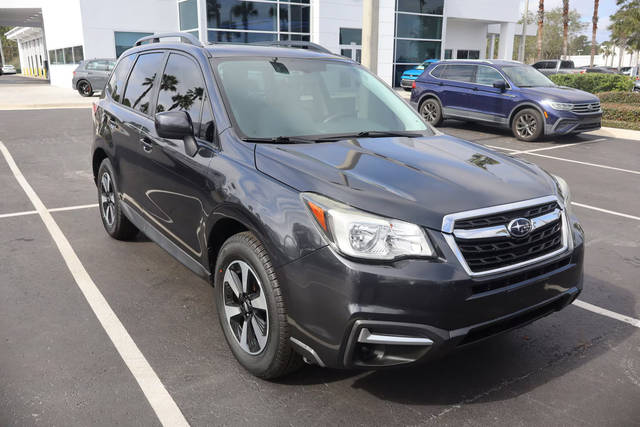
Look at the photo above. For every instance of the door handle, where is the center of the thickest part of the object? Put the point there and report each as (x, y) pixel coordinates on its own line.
(475, 88)
(147, 145)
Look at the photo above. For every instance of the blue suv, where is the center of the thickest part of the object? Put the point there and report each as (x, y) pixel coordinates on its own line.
(504, 93)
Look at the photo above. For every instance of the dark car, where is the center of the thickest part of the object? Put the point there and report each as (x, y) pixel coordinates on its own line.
(507, 94)
(91, 75)
(336, 225)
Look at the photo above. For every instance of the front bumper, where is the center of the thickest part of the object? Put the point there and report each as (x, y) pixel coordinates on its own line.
(332, 300)
(565, 122)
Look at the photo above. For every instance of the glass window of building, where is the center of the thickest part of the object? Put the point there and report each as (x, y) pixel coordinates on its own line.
(125, 40)
(188, 11)
(242, 21)
(418, 34)
(351, 43)
(78, 54)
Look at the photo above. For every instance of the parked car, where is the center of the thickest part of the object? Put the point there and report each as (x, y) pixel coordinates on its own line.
(7, 69)
(600, 70)
(335, 224)
(410, 76)
(506, 94)
(555, 66)
(91, 75)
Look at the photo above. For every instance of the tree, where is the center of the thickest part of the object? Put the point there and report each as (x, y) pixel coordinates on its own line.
(607, 49)
(9, 48)
(624, 27)
(540, 27)
(552, 38)
(565, 27)
(594, 28)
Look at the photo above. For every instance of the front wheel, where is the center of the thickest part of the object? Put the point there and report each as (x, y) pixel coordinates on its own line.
(251, 308)
(527, 125)
(431, 111)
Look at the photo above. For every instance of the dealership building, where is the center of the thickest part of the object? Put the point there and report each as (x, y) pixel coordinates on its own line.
(63, 32)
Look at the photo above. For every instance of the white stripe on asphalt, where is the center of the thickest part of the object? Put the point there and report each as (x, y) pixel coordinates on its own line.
(608, 313)
(512, 151)
(637, 218)
(162, 403)
(559, 146)
(66, 208)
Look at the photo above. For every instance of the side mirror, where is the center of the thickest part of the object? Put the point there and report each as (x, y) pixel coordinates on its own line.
(500, 84)
(177, 125)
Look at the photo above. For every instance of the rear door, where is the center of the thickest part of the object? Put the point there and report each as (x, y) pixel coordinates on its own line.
(176, 186)
(458, 86)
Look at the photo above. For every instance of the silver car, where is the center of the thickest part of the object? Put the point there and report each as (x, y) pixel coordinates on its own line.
(91, 75)
(7, 69)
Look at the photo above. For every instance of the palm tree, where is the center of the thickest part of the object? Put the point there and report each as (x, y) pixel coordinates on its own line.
(606, 50)
(565, 26)
(540, 27)
(594, 21)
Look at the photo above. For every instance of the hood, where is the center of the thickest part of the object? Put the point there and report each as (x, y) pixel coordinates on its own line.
(418, 180)
(560, 94)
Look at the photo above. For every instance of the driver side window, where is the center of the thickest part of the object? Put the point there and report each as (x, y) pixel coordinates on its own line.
(487, 76)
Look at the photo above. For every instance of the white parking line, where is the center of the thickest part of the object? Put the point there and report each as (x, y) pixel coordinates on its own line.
(159, 398)
(608, 313)
(66, 208)
(637, 218)
(559, 146)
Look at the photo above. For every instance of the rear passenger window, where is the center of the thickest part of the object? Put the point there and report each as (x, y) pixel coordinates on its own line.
(487, 75)
(92, 65)
(460, 73)
(119, 77)
(140, 85)
(437, 71)
(182, 88)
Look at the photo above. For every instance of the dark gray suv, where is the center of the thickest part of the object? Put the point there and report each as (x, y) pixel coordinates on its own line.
(91, 75)
(337, 226)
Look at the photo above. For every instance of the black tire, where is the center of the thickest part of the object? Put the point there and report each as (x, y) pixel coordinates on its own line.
(527, 125)
(84, 88)
(275, 357)
(431, 111)
(115, 223)
(408, 89)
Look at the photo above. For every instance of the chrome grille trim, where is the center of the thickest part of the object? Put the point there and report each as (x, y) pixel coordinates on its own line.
(501, 230)
(448, 223)
(592, 107)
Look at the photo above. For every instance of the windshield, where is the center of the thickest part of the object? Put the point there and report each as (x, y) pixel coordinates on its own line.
(526, 76)
(287, 97)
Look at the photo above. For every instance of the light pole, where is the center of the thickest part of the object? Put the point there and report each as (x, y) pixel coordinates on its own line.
(523, 37)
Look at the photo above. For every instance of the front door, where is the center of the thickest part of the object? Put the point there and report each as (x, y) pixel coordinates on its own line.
(490, 103)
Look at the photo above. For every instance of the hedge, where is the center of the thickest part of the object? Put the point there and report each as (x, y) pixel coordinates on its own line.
(621, 112)
(620, 97)
(595, 82)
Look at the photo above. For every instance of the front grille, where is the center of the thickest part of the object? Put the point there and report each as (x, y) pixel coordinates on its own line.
(589, 126)
(505, 217)
(592, 107)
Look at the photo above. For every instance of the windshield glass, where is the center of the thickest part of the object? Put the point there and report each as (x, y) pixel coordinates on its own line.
(526, 76)
(287, 97)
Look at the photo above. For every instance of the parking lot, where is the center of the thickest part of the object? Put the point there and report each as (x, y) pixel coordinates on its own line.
(59, 365)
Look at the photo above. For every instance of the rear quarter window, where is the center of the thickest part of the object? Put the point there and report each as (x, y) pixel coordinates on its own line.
(437, 71)
(117, 81)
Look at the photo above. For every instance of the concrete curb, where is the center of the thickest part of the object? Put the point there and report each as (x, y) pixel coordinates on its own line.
(617, 133)
(7, 107)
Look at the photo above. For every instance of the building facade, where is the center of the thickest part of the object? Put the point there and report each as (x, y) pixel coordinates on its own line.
(410, 31)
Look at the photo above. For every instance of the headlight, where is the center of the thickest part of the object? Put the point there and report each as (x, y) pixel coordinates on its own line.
(363, 235)
(563, 189)
(558, 105)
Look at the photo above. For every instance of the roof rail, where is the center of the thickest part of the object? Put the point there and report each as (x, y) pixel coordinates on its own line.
(184, 38)
(294, 44)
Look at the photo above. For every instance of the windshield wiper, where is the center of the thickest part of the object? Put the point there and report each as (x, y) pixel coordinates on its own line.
(369, 134)
(281, 140)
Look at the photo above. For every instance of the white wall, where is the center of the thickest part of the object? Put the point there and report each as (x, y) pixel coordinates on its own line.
(101, 18)
(466, 35)
(599, 60)
(328, 16)
(484, 10)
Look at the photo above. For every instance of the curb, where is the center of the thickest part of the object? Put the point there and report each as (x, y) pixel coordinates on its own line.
(9, 107)
(617, 133)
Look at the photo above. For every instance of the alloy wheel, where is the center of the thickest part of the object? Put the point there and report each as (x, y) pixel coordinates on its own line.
(526, 125)
(430, 111)
(107, 199)
(85, 88)
(245, 307)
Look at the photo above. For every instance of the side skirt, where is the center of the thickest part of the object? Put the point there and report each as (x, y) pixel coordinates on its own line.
(166, 244)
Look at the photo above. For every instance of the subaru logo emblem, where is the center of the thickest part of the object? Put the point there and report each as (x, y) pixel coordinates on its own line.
(519, 227)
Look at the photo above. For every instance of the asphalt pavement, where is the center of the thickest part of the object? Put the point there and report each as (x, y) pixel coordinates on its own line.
(58, 366)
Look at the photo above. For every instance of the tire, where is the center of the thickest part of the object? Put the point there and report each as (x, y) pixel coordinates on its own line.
(256, 312)
(407, 89)
(431, 111)
(527, 125)
(115, 223)
(84, 88)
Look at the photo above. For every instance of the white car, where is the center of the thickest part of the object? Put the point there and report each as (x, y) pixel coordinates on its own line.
(8, 69)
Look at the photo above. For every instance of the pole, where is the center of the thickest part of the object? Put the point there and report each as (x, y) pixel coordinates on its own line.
(1, 53)
(370, 21)
(523, 37)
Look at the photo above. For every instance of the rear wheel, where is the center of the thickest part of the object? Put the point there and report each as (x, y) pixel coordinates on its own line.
(527, 125)
(84, 88)
(431, 111)
(251, 308)
(115, 223)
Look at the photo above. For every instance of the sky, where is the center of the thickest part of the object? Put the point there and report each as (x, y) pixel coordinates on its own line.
(585, 8)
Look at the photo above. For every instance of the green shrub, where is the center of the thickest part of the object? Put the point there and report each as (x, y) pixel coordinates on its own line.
(595, 82)
(621, 112)
(620, 97)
